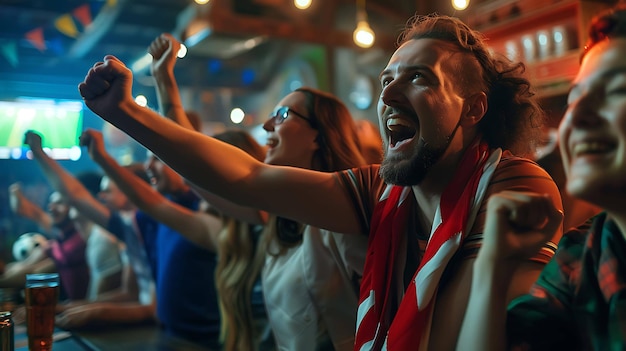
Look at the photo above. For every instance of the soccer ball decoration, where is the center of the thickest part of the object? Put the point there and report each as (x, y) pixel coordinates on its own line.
(26, 243)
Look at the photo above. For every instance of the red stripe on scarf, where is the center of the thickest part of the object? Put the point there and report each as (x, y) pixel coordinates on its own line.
(388, 227)
(378, 277)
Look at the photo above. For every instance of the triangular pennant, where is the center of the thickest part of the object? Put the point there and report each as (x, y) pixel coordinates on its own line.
(83, 15)
(56, 45)
(65, 24)
(9, 50)
(35, 37)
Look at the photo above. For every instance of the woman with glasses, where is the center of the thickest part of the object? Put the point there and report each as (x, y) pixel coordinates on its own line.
(311, 276)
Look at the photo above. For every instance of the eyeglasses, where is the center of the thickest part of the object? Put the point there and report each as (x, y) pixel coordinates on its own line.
(281, 114)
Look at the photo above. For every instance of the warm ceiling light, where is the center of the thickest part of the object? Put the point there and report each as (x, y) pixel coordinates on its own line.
(202, 2)
(363, 35)
(302, 4)
(460, 4)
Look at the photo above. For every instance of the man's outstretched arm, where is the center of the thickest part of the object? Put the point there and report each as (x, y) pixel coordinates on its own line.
(311, 197)
(65, 183)
(200, 228)
(164, 51)
(22, 206)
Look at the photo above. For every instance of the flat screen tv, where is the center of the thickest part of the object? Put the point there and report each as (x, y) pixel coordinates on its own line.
(59, 122)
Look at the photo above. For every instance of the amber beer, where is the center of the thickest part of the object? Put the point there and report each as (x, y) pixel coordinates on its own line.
(41, 295)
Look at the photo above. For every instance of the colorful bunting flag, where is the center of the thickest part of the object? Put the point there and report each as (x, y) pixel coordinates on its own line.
(56, 45)
(9, 50)
(35, 37)
(83, 15)
(65, 24)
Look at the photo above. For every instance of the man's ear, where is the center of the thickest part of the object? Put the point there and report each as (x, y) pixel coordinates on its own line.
(475, 109)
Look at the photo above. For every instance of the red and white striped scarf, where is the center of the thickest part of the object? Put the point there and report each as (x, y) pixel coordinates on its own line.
(377, 328)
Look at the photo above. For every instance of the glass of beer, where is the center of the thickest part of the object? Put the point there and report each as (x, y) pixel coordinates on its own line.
(41, 295)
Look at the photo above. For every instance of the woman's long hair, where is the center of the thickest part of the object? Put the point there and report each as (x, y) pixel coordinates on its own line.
(240, 259)
(239, 265)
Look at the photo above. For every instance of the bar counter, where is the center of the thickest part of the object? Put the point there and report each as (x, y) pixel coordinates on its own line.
(126, 338)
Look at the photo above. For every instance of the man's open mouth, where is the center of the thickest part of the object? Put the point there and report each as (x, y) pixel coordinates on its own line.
(400, 130)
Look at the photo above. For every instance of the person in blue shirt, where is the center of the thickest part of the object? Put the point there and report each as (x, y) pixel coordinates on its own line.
(186, 301)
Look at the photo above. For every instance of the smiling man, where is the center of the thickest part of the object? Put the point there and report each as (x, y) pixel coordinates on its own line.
(578, 302)
(451, 115)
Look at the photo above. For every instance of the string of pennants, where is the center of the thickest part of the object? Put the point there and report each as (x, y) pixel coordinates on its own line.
(70, 24)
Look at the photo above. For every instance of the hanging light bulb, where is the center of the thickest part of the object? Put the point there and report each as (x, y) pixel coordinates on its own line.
(363, 35)
(460, 4)
(302, 4)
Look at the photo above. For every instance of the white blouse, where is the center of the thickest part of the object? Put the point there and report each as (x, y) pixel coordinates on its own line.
(311, 291)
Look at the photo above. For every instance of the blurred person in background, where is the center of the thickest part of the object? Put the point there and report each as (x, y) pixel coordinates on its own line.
(132, 301)
(64, 252)
(186, 301)
(102, 250)
(576, 211)
(579, 300)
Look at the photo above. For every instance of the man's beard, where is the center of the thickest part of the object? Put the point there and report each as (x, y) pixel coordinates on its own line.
(409, 172)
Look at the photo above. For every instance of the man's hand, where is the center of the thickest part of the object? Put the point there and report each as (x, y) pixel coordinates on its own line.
(107, 85)
(518, 224)
(164, 50)
(93, 140)
(33, 140)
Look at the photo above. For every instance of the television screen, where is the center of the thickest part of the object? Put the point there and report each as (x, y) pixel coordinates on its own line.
(59, 122)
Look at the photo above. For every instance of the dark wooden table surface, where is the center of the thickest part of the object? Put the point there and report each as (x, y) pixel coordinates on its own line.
(127, 338)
